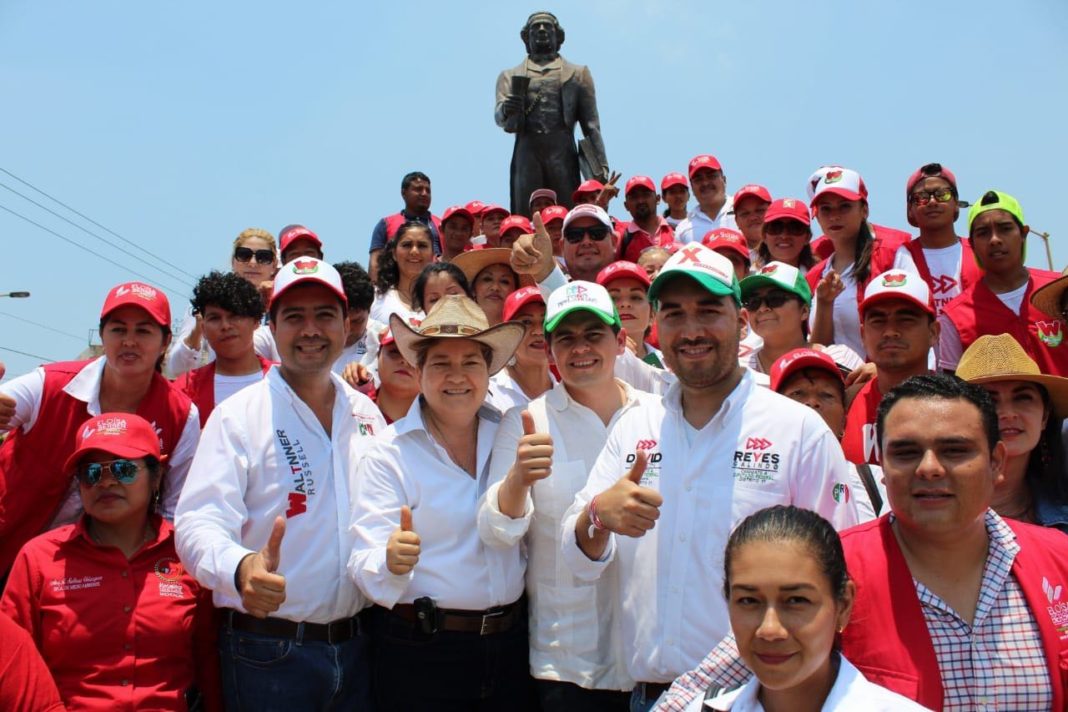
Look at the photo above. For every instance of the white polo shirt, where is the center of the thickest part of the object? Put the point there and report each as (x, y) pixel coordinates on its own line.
(262, 454)
(759, 450)
(697, 224)
(575, 633)
(456, 569)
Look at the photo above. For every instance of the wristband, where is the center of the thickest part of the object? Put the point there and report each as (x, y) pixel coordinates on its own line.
(594, 519)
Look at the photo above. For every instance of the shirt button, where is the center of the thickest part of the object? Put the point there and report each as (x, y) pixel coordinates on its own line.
(127, 609)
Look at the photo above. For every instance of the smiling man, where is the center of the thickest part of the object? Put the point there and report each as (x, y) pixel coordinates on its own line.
(676, 475)
(715, 209)
(263, 520)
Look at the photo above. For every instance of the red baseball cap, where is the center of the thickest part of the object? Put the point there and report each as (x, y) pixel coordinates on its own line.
(725, 238)
(386, 337)
(752, 190)
(119, 434)
(553, 212)
(788, 209)
(139, 294)
(516, 222)
(931, 170)
(793, 361)
(290, 233)
(589, 186)
(639, 182)
(622, 269)
(455, 210)
(673, 179)
(519, 299)
(475, 207)
(704, 161)
(488, 209)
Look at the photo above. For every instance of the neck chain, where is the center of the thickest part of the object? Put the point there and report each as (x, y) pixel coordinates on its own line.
(439, 435)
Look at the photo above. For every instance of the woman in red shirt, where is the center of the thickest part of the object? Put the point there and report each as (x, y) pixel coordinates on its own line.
(119, 622)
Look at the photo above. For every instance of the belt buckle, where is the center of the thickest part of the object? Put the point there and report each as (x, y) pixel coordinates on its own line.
(486, 618)
(339, 627)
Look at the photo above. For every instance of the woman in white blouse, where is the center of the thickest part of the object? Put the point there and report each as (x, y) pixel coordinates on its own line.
(399, 264)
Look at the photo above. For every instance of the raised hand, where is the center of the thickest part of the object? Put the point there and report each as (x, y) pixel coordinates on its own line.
(533, 254)
(829, 287)
(262, 589)
(402, 549)
(534, 456)
(609, 191)
(628, 508)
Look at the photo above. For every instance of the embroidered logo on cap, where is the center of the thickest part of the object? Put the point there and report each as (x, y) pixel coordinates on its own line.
(894, 280)
(770, 269)
(832, 177)
(789, 202)
(305, 267)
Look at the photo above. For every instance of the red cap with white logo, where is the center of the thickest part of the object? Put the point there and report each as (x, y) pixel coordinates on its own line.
(787, 209)
(673, 179)
(553, 212)
(622, 269)
(793, 361)
(639, 182)
(723, 238)
(704, 161)
(516, 222)
(117, 434)
(139, 294)
(898, 284)
(519, 299)
(457, 210)
(475, 207)
(490, 209)
(752, 191)
(292, 233)
(589, 186)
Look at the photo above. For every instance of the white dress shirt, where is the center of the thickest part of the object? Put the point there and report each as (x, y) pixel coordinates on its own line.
(759, 450)
(406, 466)
(505, 392)
(575, 633)
(264, 453)
(180, 358)
(697, 224)
(364, 350)
(27, 391)
(851, 692)
(390, 303)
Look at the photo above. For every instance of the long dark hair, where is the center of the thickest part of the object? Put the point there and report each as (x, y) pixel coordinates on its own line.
(862, 253)
(419, 285)
(1045, 475)
(388, 272)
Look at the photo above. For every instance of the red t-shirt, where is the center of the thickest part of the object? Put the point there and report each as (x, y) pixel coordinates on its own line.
(25, 683)
(859, 442)
(116, 633)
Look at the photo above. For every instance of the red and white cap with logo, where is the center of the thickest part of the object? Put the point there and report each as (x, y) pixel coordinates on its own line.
(842, 182)
(704, 161)
(589, 186)
(673, 179)
(305, 270)
(489, 209)
(793, 361)
(898, 284)
(588, 210)
(457, 210)
(516, 222)
(752, 191)
(553, 212)
(292, 233)
(723, 238)
(622, 269)
(639, 182)
(475, 207)
(708, 268)
(787, 209)
(139, 294)
(519, 299)
(118, 434)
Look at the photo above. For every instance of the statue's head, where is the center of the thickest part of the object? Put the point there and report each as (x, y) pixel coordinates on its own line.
(542, 34)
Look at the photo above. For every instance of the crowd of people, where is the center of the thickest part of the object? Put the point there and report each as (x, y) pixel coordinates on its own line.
(693, 459)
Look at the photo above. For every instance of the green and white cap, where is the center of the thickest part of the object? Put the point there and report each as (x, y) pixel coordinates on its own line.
(781, 275)
(580, 296)
(707, 267)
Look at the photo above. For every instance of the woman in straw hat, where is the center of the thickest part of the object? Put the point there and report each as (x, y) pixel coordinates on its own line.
(1031, 407)
(449, 627)
(492, 279)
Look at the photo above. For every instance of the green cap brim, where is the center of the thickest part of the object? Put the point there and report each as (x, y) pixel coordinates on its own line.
(750, 284)
(551, 324)
(707, 282)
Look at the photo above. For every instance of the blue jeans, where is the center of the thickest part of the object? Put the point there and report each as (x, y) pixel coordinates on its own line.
(262, 672)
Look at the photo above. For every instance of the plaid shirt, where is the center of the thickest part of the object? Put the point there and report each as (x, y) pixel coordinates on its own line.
(995, 663)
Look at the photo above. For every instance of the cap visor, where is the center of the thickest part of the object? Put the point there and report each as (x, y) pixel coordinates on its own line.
(551, 324)
(707, 282)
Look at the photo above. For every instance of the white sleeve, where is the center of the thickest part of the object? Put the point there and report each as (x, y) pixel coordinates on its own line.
(178, 463)
(495, 528)
(27, 391)
(903, 260)
(605, 473)
(263, 342)
(638, 374)
(822, 473)
(684, 232)
(378, 495)
(950, 348)
(211, 506)
(554, 281)
(180, 358)
(865, 508)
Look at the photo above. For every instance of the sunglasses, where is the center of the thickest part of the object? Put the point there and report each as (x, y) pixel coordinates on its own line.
(774, 300)
(574, 235)
(124, 472)
(923, 197)
(245, 254)
(790, 227)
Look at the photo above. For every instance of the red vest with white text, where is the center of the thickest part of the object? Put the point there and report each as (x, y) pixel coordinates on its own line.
(859, 442)
(970, 271)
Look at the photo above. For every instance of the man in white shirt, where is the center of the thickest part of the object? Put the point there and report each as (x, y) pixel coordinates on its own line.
(714, 207)
(662, 478)
(576, 646)
(273, 472)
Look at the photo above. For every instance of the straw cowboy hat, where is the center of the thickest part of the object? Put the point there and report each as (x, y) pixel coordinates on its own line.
(1001, 358)
(474, 261)
(458, 317)
(1047, 299)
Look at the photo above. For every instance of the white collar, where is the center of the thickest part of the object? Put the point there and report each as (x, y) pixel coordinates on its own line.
(85, 386)
(734, 400)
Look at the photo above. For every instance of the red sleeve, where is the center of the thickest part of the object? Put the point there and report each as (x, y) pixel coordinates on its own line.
(22, 596)
(26, 685)
(205, 652)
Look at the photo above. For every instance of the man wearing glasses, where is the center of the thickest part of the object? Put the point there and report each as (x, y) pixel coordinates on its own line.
(714, 209)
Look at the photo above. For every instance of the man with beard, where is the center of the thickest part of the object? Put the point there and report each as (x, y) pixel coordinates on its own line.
(647, 228)
(715, 448)
(715, 208)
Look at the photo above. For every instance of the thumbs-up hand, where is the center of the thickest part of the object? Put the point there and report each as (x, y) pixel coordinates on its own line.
(534, 455)
(628, 508)
(262, 589)
(533, 254)
(402, 549)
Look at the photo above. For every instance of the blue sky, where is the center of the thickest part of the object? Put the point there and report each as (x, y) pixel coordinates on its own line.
(176, 125)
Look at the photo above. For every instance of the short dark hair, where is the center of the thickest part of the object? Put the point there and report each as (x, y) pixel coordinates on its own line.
(228, 291)
(940, 386)
(808, 373)
(786, 523)
(410, 178)
(419, 285)
(357, 285)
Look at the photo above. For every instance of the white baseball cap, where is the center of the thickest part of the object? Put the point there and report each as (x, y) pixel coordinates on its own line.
(580, 296)
(308, 269)
(898, 284)
(588, 210)
(839, 181)
(705, 266)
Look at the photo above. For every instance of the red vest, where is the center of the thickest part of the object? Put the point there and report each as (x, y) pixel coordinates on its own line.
(633, 240)
(33, 482)
(978, 312)
(887, 638)
(970, 271)
(199, 385)
(822, 247)
(859, 442)
(885, 242)
(394, 221)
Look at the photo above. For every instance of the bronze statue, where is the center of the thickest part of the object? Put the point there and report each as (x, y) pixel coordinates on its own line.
(540, 101)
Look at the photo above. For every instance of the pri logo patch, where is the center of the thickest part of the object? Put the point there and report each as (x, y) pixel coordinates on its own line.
(1050, 332)
(840, 492)
(305, 267)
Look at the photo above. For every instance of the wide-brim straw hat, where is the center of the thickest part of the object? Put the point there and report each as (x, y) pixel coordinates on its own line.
(458, 317)
(474, 261)
(1001, 358)
(1047, 299)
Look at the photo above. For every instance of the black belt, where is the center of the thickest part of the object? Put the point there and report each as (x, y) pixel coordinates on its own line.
(653, 690)
(492, 620)
(337, 631)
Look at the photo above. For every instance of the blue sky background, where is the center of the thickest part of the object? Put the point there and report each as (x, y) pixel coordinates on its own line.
(177, 125)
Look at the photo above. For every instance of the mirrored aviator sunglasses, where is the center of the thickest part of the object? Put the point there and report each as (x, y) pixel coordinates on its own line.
(245, 254)
(124, 472)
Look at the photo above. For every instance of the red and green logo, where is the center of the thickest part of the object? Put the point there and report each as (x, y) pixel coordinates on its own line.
(305, 267)
(833, 177)
(770, 269)
(1050, 332)
(895, 280)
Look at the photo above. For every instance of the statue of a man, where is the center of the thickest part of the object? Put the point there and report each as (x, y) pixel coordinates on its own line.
(540, 101)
